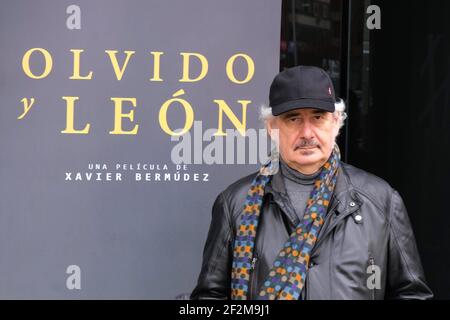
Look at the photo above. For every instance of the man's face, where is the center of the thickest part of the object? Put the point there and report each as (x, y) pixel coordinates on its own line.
(306, 137)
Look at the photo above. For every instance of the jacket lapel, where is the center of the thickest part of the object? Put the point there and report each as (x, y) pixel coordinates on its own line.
(343, 203)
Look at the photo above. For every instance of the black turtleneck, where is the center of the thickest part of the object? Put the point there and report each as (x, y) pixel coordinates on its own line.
(298, 186)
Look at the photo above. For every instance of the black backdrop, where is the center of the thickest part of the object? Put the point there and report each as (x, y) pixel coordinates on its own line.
(407, 124)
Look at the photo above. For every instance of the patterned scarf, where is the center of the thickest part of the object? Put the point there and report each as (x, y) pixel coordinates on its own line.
(288, 273)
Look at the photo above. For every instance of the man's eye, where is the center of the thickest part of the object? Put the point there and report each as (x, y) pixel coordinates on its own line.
(318, 117)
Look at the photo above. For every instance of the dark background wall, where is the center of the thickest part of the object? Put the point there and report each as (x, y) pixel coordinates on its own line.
(408, 122)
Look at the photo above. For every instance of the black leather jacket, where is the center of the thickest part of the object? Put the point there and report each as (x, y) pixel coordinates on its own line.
(366, 225)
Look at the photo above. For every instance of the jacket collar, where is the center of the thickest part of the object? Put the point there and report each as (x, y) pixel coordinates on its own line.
(343, 202)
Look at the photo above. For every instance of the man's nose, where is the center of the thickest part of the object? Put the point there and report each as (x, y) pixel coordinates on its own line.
(306, 130)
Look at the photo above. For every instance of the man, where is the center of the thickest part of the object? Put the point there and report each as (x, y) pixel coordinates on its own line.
(309, 226)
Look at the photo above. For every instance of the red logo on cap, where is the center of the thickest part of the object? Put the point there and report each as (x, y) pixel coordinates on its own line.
(329, 90)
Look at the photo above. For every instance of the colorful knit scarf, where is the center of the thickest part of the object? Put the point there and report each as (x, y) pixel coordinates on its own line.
(288, 273)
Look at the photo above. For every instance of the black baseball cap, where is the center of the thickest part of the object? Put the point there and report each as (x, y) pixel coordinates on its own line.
(302, 87)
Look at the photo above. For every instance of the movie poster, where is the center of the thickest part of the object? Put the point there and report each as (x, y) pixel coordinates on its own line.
(120, 122)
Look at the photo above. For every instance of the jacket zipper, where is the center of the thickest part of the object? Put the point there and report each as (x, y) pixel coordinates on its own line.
(254, 262)
(372, 264)
(252, 276)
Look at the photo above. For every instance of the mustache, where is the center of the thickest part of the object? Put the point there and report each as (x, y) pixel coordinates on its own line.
(304, 143)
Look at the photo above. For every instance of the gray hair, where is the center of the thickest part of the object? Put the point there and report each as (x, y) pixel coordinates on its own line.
(265, 112)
